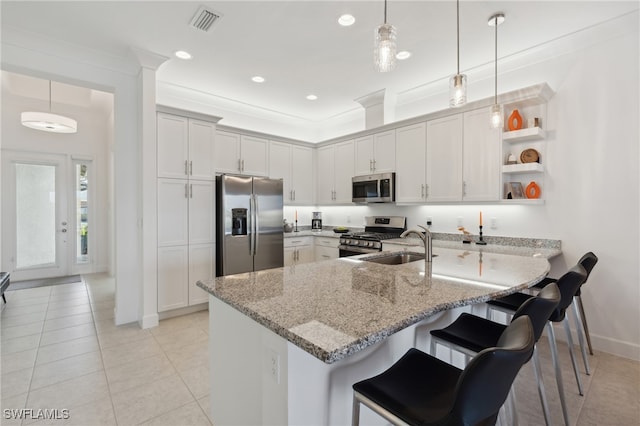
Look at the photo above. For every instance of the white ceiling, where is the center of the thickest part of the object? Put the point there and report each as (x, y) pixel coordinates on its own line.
(299, 47)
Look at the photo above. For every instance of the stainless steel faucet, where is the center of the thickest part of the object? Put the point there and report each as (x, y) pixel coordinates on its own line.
(426, 239)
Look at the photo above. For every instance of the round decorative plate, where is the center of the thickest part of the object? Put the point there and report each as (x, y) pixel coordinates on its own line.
(529, 156)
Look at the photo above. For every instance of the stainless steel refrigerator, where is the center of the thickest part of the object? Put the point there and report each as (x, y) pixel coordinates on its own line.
(249, 224)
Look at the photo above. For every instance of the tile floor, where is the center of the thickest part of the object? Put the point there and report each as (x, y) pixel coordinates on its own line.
(61, 350)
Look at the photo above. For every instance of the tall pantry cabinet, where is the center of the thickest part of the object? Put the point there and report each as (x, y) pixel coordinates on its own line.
(186, 209)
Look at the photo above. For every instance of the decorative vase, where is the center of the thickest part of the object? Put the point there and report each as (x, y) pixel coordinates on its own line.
(515, 121)
(532, 190)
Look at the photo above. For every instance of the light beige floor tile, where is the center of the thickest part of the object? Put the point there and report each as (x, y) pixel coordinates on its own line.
(171, 325)
(69, 288)
(142, 403)
(104, 314)
(18, 360)
(106, 325)
(16, 382)
(100, 306)
(71, 393)
(13, 310)
(177, 339)
(204, 404)
(190, 356)
(68, 303)
(28, 293)
(190, 414)
(65, 369)
(21, 330)
(138, 372)
(24, 319)
(65, 312)
(95, 413)
(70, 321)
(197, 380)
(19, 344)
(122, 354)
(68, 349)
(12, 403)
(66, 334)
(123, 334)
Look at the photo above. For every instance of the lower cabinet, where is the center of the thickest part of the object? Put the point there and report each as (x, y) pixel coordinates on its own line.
(179, 268)
(298, 250)
(326, 248)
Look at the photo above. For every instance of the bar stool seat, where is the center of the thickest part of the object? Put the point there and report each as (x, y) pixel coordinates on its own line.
(420, 389)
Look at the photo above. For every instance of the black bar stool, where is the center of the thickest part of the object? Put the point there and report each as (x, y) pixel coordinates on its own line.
(588, 261)
(471, 334)
(568, 284)
(421, 389)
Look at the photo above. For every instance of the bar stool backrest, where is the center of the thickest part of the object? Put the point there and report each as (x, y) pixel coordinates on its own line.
(540, 308)
(569, 284)
(485, 383)
(588, 261)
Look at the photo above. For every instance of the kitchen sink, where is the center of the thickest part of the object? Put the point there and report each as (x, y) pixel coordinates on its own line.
(396, 258)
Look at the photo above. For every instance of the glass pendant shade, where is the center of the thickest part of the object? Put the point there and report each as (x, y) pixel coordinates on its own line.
(384, 53)
(496, 116)
(457, 90)
(48, 122)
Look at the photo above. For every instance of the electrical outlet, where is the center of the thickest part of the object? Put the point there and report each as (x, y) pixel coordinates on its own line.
(494, 223)
(460, 221)
(274, 365)
(429, 222)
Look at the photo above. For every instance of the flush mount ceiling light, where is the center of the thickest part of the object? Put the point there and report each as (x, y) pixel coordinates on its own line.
(312, 97)
(257, 79)
(346, 20)
(47, 121)
(402, 55)
(496, 109)
(183, 54)
(384, 52)
(458, 82)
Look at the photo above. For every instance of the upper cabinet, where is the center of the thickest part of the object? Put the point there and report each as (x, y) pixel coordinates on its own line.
(240, 154)
(294, 164)
(481, 157)
(376, 153)
(411, 153)
(335, 170)
(185, 147)
(444, 159)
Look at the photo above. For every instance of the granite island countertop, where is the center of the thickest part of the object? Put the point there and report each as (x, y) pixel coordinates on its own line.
(335, 308)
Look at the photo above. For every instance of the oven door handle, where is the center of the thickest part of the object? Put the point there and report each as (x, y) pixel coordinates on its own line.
(357, 249)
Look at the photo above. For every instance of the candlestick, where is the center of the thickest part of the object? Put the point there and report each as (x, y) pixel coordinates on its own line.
(480, 241)
(480, 218)
(295, 228)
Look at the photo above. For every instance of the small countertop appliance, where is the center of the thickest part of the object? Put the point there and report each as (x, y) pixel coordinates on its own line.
(316, 222)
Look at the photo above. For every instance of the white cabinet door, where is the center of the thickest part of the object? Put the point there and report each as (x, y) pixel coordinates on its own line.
(173, 212)
(172, 136)
(253, 155)
(201, 148)
(444, 159)
(411, 148)
(306, 254)
(227, 152)
(326, 174)
(343, 172)
(280, 167)
(201, 212)
(302, 174)
(384, 152)
(173, 276)
(364, 155)
(481, 158)
(201, 268)
(290, 255)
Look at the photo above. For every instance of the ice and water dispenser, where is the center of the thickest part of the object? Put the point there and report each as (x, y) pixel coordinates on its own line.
(238, 221)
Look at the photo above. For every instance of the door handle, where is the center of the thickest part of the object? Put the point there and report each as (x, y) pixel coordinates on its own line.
(186, 167)
(242, 170)
(190, 190)
(63, 230)
(239, 167)
(191, 168)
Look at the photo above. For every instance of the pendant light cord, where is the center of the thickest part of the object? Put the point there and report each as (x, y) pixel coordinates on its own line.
(496, 63)
(385, 11)
(458, 34)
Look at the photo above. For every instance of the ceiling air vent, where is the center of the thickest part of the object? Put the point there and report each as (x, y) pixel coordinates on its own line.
(204, 18)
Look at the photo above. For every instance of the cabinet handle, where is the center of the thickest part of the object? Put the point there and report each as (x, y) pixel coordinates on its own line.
(186, 191)
(294, 195)
(242, 170)
(426, 191)
(422, 191)
(190, 190)
(191, 168)
(464, 188)
(186, 167)
(370, 165)
(239, 168)
(374, 165)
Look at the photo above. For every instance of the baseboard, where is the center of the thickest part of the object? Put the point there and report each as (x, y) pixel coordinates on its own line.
(149, 321)
(183, 311)
(601, 343)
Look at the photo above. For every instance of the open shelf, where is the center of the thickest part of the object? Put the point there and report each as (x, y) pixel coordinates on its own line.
(523, 168)
(532, 133)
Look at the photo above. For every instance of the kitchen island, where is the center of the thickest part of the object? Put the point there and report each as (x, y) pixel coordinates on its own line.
(287, 343)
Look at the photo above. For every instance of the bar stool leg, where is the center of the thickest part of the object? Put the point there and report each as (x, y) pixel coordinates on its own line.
(543, 395)
(355, 412)
(556, 365)
(583, 317)
(580, 331)
(565, 323)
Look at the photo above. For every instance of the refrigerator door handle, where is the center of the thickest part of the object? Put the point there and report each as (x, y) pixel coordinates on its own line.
(252, 233)
(256, 235)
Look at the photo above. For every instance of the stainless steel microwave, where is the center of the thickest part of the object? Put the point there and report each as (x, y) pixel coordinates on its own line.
(375, 188)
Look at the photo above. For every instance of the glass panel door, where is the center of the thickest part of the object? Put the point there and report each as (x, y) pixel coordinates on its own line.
(35, 210)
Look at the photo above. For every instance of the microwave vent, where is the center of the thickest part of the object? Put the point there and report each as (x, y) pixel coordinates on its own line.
(204, 19)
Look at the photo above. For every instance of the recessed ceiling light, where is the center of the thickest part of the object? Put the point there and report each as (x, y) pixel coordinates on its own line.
(402, 55)
(183, 55)
(346, 20)
(257, 79)
(312, 97)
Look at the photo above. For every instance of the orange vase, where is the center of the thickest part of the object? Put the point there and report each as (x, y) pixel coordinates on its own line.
(515, 121)
(532, 190)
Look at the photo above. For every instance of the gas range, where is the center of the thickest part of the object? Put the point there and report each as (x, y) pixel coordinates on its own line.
(377, 229)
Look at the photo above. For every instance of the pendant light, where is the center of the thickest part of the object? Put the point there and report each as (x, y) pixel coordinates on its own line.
(384, 52)
(458, 83)
(496, 109)
(47, 121)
